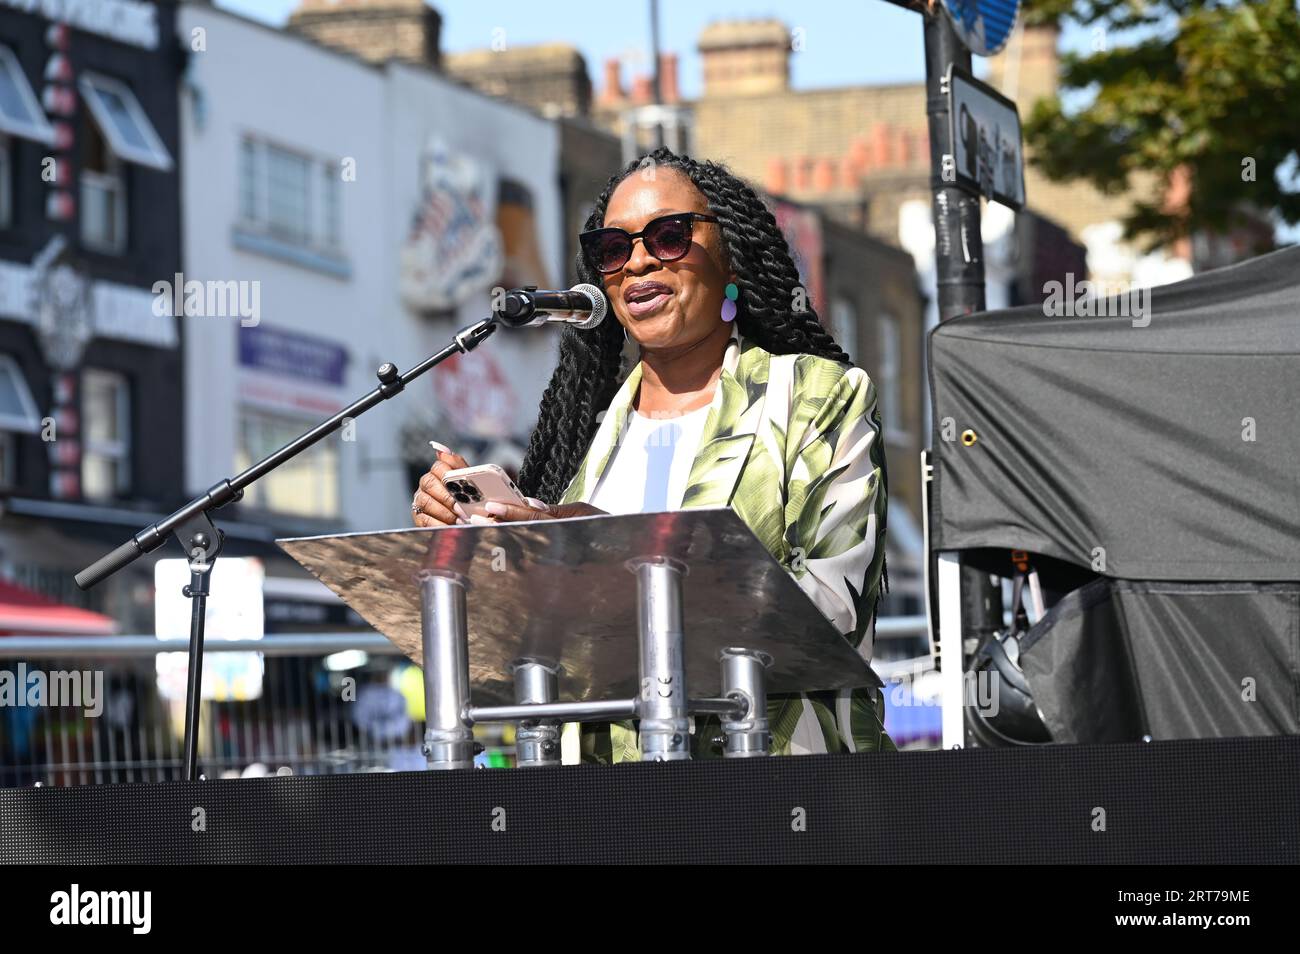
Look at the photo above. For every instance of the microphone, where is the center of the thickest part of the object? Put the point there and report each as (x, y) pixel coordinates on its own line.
(582, 306)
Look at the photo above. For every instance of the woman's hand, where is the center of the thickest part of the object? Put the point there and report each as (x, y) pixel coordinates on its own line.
(536, 510)
(433, 505)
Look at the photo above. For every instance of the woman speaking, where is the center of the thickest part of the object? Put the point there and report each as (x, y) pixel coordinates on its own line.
(741, 399)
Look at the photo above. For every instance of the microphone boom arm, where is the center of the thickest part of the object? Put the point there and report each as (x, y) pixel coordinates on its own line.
(391, 383)
(192, 524)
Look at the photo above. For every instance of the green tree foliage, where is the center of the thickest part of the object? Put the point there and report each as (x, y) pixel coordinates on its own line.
(1212, 86)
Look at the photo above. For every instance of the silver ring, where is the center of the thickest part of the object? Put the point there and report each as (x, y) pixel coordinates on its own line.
(415, 507)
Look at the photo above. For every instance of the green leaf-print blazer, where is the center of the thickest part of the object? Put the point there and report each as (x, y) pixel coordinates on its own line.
(792, 443)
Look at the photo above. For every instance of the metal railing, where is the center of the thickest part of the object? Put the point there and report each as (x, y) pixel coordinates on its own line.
(110, 712)
(321, 703)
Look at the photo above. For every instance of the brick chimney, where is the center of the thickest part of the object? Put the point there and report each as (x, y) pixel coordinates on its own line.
(825, 178)
(611, 93)
(802, 174)
(860, 154)
(643, 92)
(1029, 68)
(550, 78)
(375, 30)
(849, 174)
(882, 146)
(745, 57)
(669, 92)
(778, 176)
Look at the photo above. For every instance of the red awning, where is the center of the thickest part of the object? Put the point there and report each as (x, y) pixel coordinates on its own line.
(27, 613)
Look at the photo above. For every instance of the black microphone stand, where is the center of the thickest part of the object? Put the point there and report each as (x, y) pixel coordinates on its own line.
(192, 524)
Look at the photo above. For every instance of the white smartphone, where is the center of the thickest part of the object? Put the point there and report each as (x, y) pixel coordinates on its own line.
(474, 486)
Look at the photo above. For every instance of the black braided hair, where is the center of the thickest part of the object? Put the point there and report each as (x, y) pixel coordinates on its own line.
(587, 376)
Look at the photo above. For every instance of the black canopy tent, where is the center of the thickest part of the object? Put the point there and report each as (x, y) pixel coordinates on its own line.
(1151, 441)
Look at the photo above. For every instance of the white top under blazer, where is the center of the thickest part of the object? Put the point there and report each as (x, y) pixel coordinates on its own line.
(652, 464)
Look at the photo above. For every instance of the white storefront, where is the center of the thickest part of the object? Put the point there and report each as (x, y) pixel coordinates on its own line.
(364, 213)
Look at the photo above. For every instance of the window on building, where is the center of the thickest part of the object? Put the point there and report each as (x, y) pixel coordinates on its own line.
(106, 434)
(20, 111)
(844, 327)
(123, 122)
(103, 195)
(889, 388)
(6, 185)
(332, 225)
(17, 407)
(250, 204)
(8, 460)
(120, 133)
(290, 196)
(18, 415)
(306, 486)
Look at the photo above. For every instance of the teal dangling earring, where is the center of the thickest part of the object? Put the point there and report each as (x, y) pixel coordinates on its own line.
(729, 303)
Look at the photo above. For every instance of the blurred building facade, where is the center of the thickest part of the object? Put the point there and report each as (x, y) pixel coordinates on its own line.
(863, 285)
(374, 204)
(863, 151)
(351, 196)
(90, 369)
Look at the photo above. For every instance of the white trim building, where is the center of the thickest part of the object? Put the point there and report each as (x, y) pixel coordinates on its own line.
(364, 212)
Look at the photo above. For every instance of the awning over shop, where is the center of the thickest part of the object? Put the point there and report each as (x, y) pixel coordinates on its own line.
(124, 122)
(20, 111)
(29, 613)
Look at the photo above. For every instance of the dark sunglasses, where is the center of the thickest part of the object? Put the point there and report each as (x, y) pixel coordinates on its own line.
(667, 238)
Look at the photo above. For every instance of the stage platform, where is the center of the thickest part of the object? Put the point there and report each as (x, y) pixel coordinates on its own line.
(1192, 801)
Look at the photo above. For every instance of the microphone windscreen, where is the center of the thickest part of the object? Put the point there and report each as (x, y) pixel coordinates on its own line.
(599, 306)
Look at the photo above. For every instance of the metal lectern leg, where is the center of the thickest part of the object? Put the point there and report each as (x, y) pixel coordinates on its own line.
(661, 702)
(537, 741)
(744, 675)
(448, 738)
